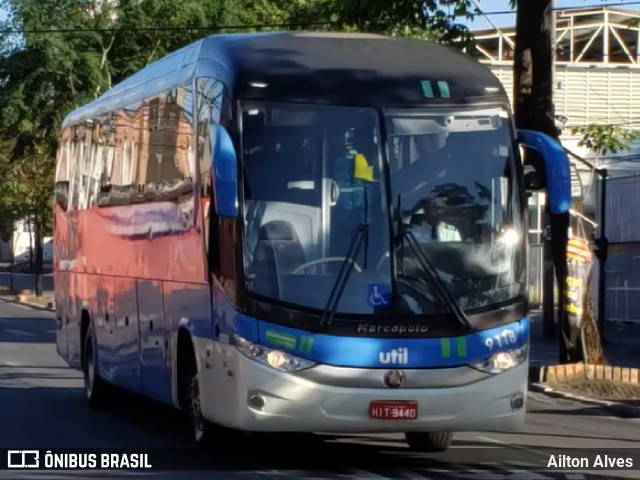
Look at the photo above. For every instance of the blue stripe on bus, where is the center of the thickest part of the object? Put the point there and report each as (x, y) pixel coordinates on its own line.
(370, 352)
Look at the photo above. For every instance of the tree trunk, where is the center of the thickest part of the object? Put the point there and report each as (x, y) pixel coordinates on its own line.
(590, 336)
(12, 252)
(30, 242)
(38, 240)
(534, 110)
(533, 67)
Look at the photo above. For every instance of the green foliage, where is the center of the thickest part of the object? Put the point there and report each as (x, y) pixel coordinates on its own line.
(603, 139)
(433, 20)
(276, 13)
(149, 29)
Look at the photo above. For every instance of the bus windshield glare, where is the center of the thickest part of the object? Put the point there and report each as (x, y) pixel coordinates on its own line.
(317, 185)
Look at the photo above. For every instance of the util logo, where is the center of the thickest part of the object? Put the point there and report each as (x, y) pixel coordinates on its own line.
(398, 356)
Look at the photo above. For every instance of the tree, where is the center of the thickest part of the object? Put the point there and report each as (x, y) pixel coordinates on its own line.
(603, 139)
(149, 29)
(44, 76)
(429, 19)
(278, 14)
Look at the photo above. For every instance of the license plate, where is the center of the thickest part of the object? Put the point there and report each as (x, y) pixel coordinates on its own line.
(398, 410)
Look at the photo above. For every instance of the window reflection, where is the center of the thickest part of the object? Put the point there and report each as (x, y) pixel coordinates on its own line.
(138, 154)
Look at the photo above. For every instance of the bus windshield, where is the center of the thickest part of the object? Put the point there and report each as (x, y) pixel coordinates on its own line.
(455, 193)
(314, 183)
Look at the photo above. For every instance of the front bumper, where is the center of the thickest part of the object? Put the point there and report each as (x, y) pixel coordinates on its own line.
(292, 403)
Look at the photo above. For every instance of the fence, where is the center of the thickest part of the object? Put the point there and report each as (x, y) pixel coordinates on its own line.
(535, 274)
(622, 271)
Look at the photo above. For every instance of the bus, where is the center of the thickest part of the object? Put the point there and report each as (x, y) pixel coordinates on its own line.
(303, 232)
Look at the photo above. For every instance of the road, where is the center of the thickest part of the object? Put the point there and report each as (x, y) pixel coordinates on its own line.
(42, 406)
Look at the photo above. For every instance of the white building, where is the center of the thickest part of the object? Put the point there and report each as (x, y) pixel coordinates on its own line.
(22, 242)
(596, 81)
(597, 71)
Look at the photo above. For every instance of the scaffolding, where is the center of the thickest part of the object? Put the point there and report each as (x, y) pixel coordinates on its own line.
(596, 75)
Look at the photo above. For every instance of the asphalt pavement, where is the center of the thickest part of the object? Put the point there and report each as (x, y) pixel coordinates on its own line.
(42, 405)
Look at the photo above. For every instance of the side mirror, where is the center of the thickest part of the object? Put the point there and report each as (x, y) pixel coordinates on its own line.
(557, 167)
(225, 172)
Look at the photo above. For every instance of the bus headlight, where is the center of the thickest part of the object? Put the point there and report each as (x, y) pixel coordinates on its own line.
(502, 361)
(277, 359)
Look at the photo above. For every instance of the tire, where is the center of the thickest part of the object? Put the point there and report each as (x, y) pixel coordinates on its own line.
(97, 391)
(429, 441)
(202, 430)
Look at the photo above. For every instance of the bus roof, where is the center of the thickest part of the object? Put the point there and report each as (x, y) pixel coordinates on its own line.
(304, 67)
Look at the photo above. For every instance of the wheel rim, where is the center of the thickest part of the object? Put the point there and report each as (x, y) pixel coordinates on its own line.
(89, 376)
(196, 413)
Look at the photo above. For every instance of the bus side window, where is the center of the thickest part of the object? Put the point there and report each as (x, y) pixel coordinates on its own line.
(78, 178)
(63, 167)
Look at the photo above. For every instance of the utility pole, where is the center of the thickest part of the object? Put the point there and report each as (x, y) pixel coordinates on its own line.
(601, 252)
(534, 110)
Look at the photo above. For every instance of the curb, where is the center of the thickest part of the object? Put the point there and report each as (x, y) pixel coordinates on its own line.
(34, 306)
(618, 409)
(35, 301)
(547, 373)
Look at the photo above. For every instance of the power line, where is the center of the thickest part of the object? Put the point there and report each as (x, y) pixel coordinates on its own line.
(163, 29)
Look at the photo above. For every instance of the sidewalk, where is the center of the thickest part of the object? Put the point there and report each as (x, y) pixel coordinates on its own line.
(622, 350)
(615, 387)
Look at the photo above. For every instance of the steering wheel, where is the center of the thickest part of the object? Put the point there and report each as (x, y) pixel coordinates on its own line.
(320, 261)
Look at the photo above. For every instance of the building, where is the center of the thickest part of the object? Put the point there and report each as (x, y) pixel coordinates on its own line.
(596, 81)
(597, 76)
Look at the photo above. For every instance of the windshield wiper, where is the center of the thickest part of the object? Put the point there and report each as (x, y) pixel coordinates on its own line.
(340, 284)
(360, 237)
(441, 290)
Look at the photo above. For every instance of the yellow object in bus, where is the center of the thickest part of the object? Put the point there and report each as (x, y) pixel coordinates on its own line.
(362, 169)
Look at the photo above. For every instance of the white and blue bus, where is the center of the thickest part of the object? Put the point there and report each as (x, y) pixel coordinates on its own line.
(303, 232)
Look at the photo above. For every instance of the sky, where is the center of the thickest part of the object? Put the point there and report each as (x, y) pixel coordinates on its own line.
(505, 20)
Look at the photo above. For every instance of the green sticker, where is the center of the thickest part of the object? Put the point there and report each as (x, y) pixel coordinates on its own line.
(445, 347)
(289, 341)
(461, 347)
(444, 89)
(306, 344)
(427, 89)
(281, 339)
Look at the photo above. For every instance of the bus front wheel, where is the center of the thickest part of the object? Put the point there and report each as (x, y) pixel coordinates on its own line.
(429, 441)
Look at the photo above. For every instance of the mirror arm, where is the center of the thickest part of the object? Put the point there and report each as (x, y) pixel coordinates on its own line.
(557, 168)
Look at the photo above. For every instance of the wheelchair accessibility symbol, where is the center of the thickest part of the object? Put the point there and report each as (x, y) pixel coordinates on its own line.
(379, 294)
